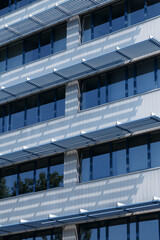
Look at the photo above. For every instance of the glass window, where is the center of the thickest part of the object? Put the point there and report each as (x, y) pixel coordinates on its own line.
(118, 18)
(41, 174)
(21, 3)
(116, 84)
(135, 11)
(47, 105)
(158, 71)
(89, 232)
(1, 119)
(60, 102)
(12, 5)
(101, 161)
(17, 114)
(145, 80)
(60, 39)
(32, 110)
(153, 8)
(15, 55)
(130, 80)
(133, 231)
(85, 166)
(86, 28)
(149, 228)
(119, 157)
(43, 235)
(27, 236)
(90, 92)
(119, 229)
(8, 182)
(31, 50)
(101, 22)
(26, 177)
(56, 171)
(3, 59)
(103, 97)
(6, 110)
(45, 39)
(4, 7)
(155, 149)
(138, 153)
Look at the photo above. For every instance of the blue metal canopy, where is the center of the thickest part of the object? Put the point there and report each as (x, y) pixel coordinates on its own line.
(83, 140)
(95, 215)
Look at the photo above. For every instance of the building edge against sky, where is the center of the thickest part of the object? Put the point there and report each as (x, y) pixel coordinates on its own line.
(79, 120)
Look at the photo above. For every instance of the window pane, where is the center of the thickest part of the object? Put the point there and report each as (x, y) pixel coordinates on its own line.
(90, 92)
(41, 174)
(101, 22)
(26, 236)
(155, 149)
(4, 7)
(86, 28)
(101, 161)
(149, 229)
(60, 39)
(158, 71)
(45, 43)
(15, 55)
(43, 235)
(89, 232)
(153, 8)
(17, 115)
(119, 230)
(56, 171)
(6, 117)
(138, 153)
(60, 102)
(145, 76)
(31, 51)
(133, 231)
(21, 3)
(135, 11)
(32, 110)
(85, 166)
(8, 183)
(3, 60)
(1, 119)
(118, 19)
(116, 85)
(130, 80)
(47, 106)
(26, 178)
(102, 88)
(119, 157)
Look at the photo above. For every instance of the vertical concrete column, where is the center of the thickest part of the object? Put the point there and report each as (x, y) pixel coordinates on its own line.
(72, 98)
(70, 233)
(73, 32)
(70, 169)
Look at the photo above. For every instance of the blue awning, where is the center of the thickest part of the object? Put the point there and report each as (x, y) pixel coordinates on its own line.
(81, 141)
(95, 215)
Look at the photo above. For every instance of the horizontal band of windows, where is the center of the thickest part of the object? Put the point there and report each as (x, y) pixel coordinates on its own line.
(33, 176)
(123, 82)
(117, 16)
(7, 6)
(34, 109)
(32, 48)
(51, 234)
(142, 227)
(120, 157)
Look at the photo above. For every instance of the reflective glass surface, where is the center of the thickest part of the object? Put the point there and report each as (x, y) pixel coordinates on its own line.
(118, 16)
(85, 166)
(60, 102)
(86, 28)
(101, 22)
(119, 230)
(56, 171)
(135, 11)
(119, 157)
(26, 178)
(59, 39)
(153, 8)
(148, 229)
(17, 114)
(47, 106)
(41, 175)
(31, 48)
(155, 149)
(32, 110)
(2, 60)
(45, 41)
(15, 55)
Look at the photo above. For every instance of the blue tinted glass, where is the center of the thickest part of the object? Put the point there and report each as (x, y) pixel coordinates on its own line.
(85, 167)
(86, 28)
(1, 119)
(138, 154)
(133, 231)
(41, 175)
(93, 235)
(44, 237)
(60, 102)
(149, 230)
(90, 93)
(31, 49)
(60, 39)
(101, 22)
(26, 178)
(155, 149)
(116, 85)
(6, 118)
(145, 80)
(3, 60)
(103, 89)
(47, 106)
(8, 184)
(130, 81)
(12, 5)
(118, 230)
(119, 158)
(45, 40)
(4, 7)
(15, 55)
(56, 172)
(17, 115)
(21, 3)
(102, 233)
(32, 110)
(153, 8)
(118, 19)
(158, 71)
(135, 11)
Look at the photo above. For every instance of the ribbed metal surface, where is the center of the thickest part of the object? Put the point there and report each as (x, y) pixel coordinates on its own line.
(6, 35)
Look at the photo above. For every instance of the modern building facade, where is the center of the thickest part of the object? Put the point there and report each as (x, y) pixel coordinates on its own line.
(79, 120)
